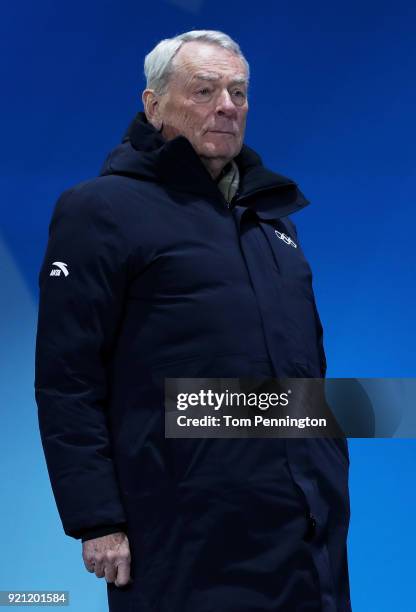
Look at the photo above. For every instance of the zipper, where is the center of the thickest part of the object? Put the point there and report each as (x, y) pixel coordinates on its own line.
(237, 200)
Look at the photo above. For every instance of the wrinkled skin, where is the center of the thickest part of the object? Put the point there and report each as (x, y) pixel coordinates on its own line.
(205, 101)
(108, 557)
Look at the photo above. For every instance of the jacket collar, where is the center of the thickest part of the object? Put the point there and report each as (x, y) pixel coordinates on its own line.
(145, 153)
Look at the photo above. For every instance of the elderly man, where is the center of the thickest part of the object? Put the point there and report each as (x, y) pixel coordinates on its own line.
(180, 260)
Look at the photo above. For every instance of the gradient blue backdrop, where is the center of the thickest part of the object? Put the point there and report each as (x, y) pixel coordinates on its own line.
(332, 105)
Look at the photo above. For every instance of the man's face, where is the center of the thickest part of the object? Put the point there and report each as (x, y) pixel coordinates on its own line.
(206, 100)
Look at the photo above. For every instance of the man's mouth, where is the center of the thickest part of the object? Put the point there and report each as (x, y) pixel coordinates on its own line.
(222, 132)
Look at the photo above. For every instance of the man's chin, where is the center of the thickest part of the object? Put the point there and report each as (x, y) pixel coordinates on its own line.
(214, 151)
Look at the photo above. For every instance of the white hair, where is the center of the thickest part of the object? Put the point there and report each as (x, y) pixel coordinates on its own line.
(158, 65)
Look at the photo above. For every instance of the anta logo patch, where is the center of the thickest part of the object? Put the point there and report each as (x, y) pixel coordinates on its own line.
(60, 267)
(286, 239)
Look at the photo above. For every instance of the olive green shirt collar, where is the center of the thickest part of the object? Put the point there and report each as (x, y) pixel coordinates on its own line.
(228, 181)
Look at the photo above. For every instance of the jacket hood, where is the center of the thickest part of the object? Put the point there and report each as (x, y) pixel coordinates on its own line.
(145, 155)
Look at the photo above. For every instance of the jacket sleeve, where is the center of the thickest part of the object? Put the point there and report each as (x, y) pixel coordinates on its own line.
(97, 532)
(321, 349)
(82, 285)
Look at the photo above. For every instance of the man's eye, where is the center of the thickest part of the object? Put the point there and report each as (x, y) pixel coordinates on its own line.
(239, 93)
(205, 91)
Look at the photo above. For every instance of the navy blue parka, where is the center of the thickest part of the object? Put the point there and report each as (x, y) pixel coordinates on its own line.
(148, 274)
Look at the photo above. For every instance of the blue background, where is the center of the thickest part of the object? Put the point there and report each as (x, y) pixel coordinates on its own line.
(332, 104)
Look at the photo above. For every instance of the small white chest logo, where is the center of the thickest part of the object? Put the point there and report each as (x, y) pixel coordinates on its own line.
(60, 267)
(285, 238)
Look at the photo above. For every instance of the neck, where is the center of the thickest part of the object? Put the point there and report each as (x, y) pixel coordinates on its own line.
(214, 165)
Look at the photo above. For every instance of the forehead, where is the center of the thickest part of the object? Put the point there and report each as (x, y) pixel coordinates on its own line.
(196, 58)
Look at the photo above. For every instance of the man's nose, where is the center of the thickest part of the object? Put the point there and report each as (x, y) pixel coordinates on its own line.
(225, 104)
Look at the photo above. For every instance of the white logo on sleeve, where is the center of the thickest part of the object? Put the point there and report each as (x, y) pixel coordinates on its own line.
(60, 267)
(286, 239)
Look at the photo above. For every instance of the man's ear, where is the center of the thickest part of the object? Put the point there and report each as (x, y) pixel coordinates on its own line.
(152, 108)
